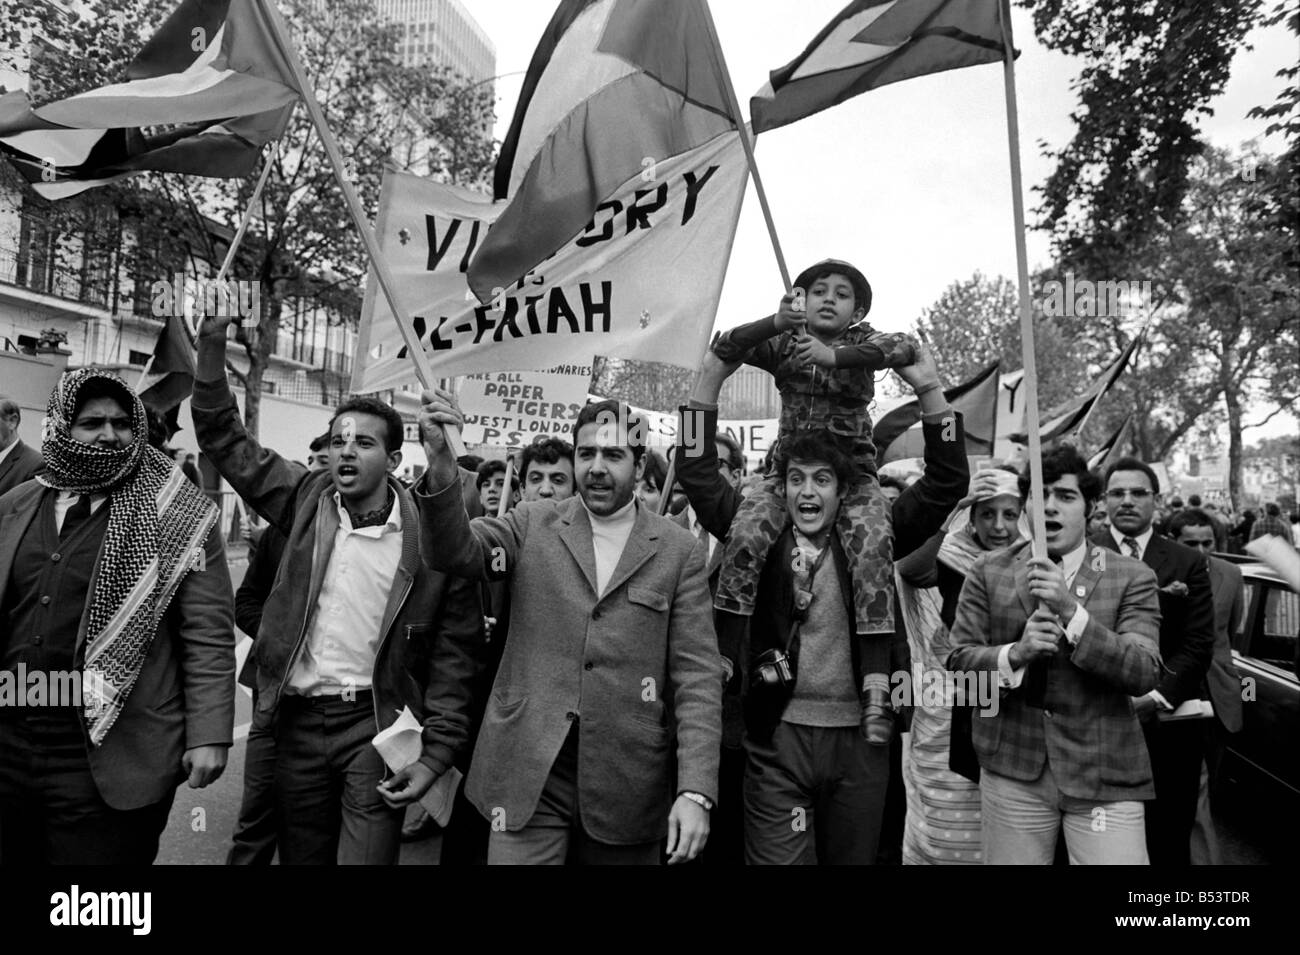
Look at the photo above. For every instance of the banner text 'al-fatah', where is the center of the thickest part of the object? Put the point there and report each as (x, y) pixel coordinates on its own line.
(642, 280)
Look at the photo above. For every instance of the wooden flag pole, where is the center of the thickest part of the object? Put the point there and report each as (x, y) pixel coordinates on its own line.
(745, 140)
(1037, 520)
(413, 346)
(504, 503)
(245, 220)
(230, 254)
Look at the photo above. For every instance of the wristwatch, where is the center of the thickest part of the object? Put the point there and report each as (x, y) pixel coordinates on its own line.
(699, 798)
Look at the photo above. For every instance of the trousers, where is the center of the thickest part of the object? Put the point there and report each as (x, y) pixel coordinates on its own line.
(51, 812)
(814, 795)
(326, 773)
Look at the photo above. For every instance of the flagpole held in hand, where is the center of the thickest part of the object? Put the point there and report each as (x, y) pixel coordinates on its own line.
(1038, 521)
(413, 347)
(743, 129)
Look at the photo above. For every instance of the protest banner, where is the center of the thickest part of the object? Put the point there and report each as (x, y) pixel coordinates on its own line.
(512, 409)
(641, 280)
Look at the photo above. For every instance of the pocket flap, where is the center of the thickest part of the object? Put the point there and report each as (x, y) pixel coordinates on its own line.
(648, 598)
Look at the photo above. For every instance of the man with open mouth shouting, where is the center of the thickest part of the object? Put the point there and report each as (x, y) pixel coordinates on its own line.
(356, 629)
(1069, 637)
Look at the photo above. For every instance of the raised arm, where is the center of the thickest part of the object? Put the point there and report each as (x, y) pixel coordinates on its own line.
(715, 501)
(259, 475)
(921, 510)
(484, 549)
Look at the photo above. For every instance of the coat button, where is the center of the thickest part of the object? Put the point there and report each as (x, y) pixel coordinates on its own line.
(37, 640)
(595, 614)
(56, 557)
(587, 666)
(570, 715)
(45, 601)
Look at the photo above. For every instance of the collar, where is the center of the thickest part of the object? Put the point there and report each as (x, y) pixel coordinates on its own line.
(1142, 540)
(1071, 562)
(72, 496)
(624, 515)
(4, 452)
(392, 525)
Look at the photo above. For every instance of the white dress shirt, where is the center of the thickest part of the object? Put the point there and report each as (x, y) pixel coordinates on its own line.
(64, 501)
(343, 636)
(4, 452)
(1142, 540)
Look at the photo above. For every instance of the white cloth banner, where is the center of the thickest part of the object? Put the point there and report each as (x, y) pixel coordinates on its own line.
(641, 281)
(508, 409)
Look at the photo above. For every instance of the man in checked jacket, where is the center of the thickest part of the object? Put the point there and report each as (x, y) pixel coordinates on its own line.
(1069, 640)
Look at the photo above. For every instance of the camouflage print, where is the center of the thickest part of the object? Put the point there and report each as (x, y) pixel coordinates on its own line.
(866, 534)
(826, 399)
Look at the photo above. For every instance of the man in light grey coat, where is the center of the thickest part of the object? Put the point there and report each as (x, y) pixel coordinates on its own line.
(602, 733)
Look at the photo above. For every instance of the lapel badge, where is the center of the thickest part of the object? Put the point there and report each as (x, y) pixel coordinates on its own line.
(1080, 591)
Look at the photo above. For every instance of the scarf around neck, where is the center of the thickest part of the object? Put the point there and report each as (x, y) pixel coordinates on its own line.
(158, 522)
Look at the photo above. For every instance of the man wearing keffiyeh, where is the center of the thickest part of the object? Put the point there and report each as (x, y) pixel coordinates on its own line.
(111, 571)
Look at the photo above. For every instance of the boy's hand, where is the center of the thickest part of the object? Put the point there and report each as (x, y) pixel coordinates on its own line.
(786, 316)
(811, 350)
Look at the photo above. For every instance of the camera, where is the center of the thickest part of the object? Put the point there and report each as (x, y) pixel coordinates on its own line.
(773, 669)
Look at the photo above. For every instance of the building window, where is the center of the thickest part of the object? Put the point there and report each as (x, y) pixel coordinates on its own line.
(140, 358)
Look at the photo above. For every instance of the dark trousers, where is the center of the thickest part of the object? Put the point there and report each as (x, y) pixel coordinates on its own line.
(51, 812)
(1177, 749)
(254, 839)
(326, 774)
(555, 834)
(894, 822)
(726, 845)
(813, 796)
(465, 840)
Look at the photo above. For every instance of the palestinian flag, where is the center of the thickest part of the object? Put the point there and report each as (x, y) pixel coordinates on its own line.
(898, 434)
(1069, 416)
(208, 90)
(872, 43)
(615, 89)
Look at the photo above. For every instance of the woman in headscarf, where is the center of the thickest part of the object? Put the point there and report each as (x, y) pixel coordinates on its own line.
(113, 581)
(943, 806)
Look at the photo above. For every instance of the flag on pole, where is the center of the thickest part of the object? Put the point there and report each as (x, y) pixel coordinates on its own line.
(169, 377)
(615, 90)
(872, 43)
(898, 434)
(208, 90)
(646, 293)
(1112, 448)
(1069, 416)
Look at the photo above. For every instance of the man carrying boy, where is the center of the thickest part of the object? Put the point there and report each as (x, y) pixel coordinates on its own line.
(823, 359)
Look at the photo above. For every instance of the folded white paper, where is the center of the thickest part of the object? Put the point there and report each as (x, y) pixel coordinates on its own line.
(1189, 710)
(401, 745)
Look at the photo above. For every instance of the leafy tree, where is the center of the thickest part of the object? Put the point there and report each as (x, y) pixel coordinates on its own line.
(303, 246)
(1151, 67)
(977, 320)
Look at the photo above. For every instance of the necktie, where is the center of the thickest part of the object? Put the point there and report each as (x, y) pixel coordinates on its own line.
(1130, 547)
(76, 515)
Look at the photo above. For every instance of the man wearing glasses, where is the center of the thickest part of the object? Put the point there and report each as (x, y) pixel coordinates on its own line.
(1177, 746)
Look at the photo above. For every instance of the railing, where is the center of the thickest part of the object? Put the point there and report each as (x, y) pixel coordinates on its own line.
(52, 278)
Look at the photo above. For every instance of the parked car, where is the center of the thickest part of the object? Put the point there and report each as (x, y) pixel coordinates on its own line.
(1262, 763)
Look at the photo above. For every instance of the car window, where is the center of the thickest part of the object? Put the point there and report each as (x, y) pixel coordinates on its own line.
(1279, 629)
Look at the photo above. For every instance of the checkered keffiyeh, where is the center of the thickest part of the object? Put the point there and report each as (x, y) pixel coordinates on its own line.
(157, 524)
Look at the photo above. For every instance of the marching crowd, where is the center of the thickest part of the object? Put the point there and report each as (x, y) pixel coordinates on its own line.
(722, 683)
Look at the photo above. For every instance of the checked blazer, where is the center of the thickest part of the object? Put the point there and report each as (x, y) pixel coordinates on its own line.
(1086, 727)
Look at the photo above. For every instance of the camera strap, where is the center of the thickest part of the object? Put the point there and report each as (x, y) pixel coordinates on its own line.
(803, 589)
